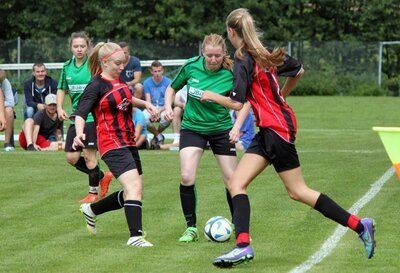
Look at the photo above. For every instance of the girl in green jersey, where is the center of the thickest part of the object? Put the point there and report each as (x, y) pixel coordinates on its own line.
(203, 122)
(74, 77)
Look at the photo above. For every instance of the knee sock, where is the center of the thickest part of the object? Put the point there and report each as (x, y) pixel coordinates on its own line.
(133, 214)
(229, 200)
(241, 219)
(113, 201)
(333, 211)
(94, 178)
(81, 165)
(188, 202)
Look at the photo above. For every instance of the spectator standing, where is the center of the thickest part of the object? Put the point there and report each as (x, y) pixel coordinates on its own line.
(36, 89)
(43, 132)
(9, 103)
(154, 92)
(132, 73)
(74, 77)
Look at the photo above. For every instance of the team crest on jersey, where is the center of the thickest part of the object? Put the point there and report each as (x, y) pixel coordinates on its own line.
(123, 106)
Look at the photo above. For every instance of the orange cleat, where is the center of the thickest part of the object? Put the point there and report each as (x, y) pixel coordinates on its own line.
(105, 183)
(90, 198)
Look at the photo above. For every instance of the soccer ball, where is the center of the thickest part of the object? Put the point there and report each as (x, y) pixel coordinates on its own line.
(218, 229)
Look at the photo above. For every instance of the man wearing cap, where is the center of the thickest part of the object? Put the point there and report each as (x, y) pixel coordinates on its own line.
(43, 131)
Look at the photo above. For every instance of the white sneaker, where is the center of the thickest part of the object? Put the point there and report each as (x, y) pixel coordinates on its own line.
(139, 241)
(90, 218)
(9, 149)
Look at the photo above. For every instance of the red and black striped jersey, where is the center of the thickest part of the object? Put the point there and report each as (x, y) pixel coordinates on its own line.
(110, 104)
(261, 89)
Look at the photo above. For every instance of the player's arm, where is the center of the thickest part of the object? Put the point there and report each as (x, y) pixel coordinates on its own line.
(235, 133)
(291, 83)
(62, 115)
(168, 98)
(222, 100)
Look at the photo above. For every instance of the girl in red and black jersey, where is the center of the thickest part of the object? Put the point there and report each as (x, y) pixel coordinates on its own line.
(255, 79)
(110, 101)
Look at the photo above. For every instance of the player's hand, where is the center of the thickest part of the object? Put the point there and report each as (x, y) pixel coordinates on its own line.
(168, 113)
(62, 115)
(206, 96)
(155, 114)
(234, 135)
(79, 141)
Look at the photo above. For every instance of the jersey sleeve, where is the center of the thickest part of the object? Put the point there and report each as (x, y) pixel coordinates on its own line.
(243, 71)
(290, 67)
(182, 76)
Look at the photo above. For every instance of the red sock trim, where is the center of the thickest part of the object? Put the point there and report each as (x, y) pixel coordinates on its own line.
(243, 237)
(353, 221)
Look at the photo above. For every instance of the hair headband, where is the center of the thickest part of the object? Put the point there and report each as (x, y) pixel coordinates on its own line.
(110, 54)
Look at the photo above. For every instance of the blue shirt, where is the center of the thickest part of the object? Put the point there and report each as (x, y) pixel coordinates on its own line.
(132, 66)
(247, 129)
(138, 119)
(156, 90)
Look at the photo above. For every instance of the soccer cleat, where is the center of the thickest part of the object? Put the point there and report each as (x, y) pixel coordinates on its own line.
(105, 183)
(367, 236)
(191, 234)
(139, 241)
(90, 198)
(235, 256)
(90, 218)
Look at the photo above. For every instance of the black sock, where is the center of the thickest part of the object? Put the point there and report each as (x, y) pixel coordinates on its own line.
(113, 201)
(81, 165)
(331, 210)
(188, 202)
(229, 200)
(133, 214)
(241, 213)
(94, 175)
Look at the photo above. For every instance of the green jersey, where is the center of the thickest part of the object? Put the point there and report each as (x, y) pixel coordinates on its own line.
(74, 79)
(204, 117)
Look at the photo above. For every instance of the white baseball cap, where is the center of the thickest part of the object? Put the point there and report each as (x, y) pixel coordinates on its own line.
(50, 99)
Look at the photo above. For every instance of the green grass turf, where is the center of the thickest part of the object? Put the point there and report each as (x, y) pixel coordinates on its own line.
(41, 229)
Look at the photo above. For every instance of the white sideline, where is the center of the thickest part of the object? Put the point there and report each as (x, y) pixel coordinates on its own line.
(333, 240)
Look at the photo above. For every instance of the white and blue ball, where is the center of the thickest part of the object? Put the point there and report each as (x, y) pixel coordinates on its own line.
(218, 229)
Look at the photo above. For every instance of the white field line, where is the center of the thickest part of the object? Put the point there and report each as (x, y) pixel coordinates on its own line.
(330, 244)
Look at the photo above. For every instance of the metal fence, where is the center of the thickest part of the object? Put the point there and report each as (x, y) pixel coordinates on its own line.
(338, 57)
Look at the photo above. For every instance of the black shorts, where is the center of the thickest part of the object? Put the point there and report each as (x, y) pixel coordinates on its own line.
(219, 142)
(122, 160)
(91, 137)
(280, 153)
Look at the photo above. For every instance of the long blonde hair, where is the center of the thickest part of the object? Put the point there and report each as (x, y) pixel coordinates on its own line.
(218, 40)
(100, 51)
(242, 22)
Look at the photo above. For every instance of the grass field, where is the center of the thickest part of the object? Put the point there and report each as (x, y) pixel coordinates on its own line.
(42, 230)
